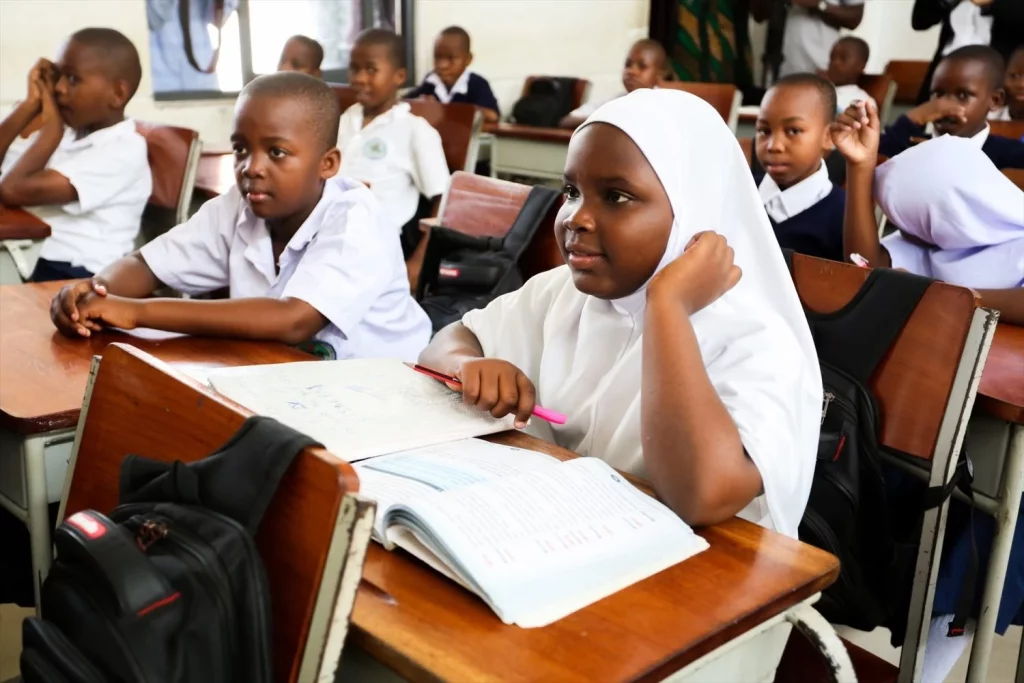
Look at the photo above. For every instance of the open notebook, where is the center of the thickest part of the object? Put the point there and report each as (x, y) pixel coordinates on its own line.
(534, 537)
(356, 408)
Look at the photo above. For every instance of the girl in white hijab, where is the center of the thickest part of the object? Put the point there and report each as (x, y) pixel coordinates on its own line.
(668, 363)
(960, 219)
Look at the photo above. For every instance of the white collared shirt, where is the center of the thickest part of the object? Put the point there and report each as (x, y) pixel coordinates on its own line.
(441, 91)
(808, 40)
(1001, 114)
(782, 205)
(399, 154)
(109, 170)
(339, 261)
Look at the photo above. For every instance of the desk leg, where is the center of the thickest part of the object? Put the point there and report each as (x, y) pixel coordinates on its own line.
(809, 622)
(38, 522)
(1006, 523)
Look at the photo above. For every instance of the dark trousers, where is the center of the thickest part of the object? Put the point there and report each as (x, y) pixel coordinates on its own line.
(48, 271)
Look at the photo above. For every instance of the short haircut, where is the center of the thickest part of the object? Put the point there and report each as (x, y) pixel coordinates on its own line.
(825, 89)
(119, 56)
(860, 45)
(657, 48)
(460, 33)
(319, 101)
(995, 67)
(389, 39)
(314, 47)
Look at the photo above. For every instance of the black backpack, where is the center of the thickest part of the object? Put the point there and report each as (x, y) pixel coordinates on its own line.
(170, 588)
(546, 103)
(461, 272)
(848, 512)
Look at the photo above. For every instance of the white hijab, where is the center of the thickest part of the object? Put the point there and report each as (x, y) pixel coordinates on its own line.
(584, 353)
(970, 214)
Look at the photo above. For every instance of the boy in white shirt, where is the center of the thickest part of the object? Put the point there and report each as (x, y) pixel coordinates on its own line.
(85, 171)
(383, 144)
(846, 64)
(303, 252)
(646, 66)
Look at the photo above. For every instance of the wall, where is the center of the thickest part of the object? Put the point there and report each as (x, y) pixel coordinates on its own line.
(512, 39)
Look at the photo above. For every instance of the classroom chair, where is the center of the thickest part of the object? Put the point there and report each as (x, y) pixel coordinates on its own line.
(459, 124)
(580, 89)
(882, 89)
(173, 160)
(313, 538)
(724, 97)
(21, 237)
(479, 205)
(909, 76)
(925, 388)
(1008, 129)
(345, 93)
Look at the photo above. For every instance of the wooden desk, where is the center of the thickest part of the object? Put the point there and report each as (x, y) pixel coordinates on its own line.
(216, 173)
(528, 150)
(1001, 392)
(19, 224)
(427, 628)
(43, 376)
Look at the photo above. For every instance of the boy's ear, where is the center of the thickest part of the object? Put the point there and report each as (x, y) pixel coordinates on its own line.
(826, 140)
(998, 99)
(120, 94)
(469, 58)
(330, 163)
(400, 75)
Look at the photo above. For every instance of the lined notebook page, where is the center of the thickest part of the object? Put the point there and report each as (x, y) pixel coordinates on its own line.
(357, 408)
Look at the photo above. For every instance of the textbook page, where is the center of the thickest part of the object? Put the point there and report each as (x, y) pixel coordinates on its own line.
(357, 408)
(545, 543)
(403, 477)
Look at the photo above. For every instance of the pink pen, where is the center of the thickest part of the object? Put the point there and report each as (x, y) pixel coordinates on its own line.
(859, 260)
(543, 413)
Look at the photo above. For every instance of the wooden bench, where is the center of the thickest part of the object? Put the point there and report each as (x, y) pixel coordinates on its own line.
(313, 537)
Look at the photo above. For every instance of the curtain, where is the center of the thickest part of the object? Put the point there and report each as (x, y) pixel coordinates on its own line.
(706, 40)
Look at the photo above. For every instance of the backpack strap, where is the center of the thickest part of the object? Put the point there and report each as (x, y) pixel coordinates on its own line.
(537, 205)
(238, 480)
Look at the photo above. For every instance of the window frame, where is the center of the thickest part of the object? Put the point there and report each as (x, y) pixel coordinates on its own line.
(404, 19)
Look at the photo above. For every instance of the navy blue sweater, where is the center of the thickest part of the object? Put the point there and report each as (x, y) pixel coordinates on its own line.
(478, 92)
(1004, 152)
(817, 231)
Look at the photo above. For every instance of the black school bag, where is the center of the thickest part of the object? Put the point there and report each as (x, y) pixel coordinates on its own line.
(848, 512)
(170, 588)
(462, 272)
(546, 103)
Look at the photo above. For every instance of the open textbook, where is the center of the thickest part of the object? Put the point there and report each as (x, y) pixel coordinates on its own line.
(356, 408)
(536, 538)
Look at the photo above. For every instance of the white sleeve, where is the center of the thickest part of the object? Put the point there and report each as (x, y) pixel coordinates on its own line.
(429, 167)
(774, 398)
(101, 175)
(346, 268)
(906, 255)
(193, 257)
(345, 128)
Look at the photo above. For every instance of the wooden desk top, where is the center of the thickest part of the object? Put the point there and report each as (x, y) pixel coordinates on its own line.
(216, 173)
(428, 628)
(43, 374)
(1001, 391)
(19, 224)
(515, 131)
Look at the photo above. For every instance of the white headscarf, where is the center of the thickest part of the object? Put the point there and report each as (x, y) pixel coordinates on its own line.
(584, 353)
(969, 212)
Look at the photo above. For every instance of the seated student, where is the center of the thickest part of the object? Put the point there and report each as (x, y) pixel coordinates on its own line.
(303, 252)
(668, 363)
(792, 140)
(646, 66)
(966, 87)
(846, 65)
(452, 81)
(1013, 83)
(961, 225)
(301, 54)
(85, 171)
(383, 143)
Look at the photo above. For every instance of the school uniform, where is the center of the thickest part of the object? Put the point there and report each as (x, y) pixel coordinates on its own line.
(807, 40)
(340, 261)
(962, 226)
(470, 88)
(110, 172)
(584, 354)
(848, 94)
(1004, 152)
(399, 154)
(807, 217)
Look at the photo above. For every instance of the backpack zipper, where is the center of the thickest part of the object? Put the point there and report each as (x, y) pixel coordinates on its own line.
(826, 402)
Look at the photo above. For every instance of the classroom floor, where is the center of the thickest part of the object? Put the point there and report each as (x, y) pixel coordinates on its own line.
(1001, 669)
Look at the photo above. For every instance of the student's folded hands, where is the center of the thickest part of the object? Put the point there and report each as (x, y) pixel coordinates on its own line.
(699, 276)
(498, 387)
(856, 133)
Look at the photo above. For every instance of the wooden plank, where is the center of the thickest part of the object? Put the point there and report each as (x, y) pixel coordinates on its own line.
(1001, 392)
